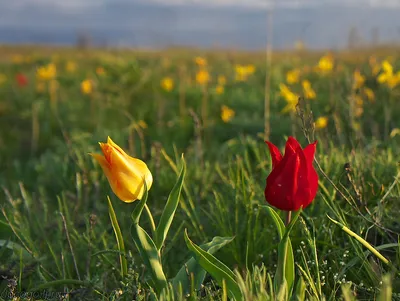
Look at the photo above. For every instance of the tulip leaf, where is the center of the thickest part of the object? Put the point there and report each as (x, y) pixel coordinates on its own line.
(215, 268)
(285, 276)
(280, 226)
(149, 255)
(300, 292)
(137, 212)
(170, 208)
(192, 267)
(118, 236)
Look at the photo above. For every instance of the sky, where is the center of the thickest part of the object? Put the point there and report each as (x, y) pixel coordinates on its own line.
(230, 23)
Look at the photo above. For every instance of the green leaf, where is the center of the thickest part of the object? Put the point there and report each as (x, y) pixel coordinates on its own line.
(216, 268)
(300, 293)
(170, 208)
(289, 265)
(386, 289)
(150, 256)
(118, 236)
(14, 249)
(283, 274)
(192, 267)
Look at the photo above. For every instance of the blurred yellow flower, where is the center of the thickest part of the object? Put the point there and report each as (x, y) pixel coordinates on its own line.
(227, 113)
(358, 80)
(321, 122)
(142, 124)
(221, 80)
(387, 76)
(387, 67)
(309, 92)
(358, 100)
(70, 66)
(125, 174)
(292, 76)
(3, 78)
(358, 111)
(219, 89)
(369, 93)
(87, 86)
(250, 69)
(290, 97)
(200, 61)
(325, 63)
(394, 132)
(100, 71)
(17, 59)
(202, 77)
(375, 67)
(243, 72)
(167, 84)
(47, 72)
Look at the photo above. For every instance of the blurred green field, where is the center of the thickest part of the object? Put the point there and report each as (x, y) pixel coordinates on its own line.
(56, 104)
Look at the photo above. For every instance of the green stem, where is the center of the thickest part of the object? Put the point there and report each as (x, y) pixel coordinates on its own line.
(152, 223)
(362, 241)
(288, 217)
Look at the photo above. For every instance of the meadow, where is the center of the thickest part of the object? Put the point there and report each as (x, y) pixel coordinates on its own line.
(199, 120)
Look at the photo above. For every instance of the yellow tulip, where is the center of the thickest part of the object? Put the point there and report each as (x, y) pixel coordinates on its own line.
(219, 89)
(292, 76)
(200, 61)
(202, 77)
(309, 92)
(87, 86)
(125, 174)
(325, 64)
(70, 66)
(321, 122)
(167, 84)
(47, 72)
(227, 113)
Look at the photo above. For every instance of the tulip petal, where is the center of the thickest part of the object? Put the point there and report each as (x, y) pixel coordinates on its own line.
(102, 161)
(292, 145)
(143, 170)
(281, 187)
(275, 153)
(309, 152)
(303, 193)
(116, 146)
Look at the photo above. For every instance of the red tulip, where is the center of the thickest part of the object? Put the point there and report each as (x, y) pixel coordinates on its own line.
(21, 79)
(293, 181)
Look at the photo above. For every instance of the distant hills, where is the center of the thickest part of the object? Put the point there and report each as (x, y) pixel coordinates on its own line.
(123, 23)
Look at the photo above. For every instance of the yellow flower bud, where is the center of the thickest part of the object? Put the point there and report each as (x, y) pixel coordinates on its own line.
(125, 174)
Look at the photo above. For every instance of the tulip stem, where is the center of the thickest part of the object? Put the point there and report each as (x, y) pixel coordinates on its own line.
(152, 223)
(288, 217)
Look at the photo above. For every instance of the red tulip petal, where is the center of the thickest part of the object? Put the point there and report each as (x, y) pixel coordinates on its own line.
(275, 153)
(292, 145)
(312, 176)
(303, 193)
(282, 183)
(309, 152)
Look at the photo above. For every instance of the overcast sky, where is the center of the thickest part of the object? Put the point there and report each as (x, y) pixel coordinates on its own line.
(322, 23)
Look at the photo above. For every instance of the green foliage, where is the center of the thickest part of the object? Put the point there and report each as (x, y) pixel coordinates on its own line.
(58, 233)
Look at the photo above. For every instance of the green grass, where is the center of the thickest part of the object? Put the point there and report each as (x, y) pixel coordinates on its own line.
(55, 229)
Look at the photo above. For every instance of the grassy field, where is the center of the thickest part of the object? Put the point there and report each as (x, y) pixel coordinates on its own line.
(56, 235)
